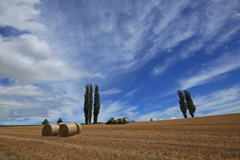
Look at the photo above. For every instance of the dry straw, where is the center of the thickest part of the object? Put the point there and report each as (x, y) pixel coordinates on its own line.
(68, 129)
(79, 128)
(50, 130)
(60, 124)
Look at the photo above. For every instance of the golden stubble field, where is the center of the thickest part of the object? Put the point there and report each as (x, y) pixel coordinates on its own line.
(213, 137)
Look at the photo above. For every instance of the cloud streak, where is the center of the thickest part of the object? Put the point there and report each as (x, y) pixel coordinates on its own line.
(111, 91)
(219, 102)
(27, 90)
(224, 64)
(116, 109)
(195, 30)
(223, 101)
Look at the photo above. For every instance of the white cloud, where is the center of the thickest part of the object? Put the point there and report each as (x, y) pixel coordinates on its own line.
(210, 26)
(109, 108)
(161, 68)
(52, 104)
(15, 108)
(21, 15)
(146, 117)
(132, 92)
(126, 39)
(118, 38)
(223, 64)
(68, 113)
(131, 112)
(219, 102)
(27, 90)
(98, 75)
(111, 91)
(27, 59)
(168, 113)
(27, 121)
(116, 109)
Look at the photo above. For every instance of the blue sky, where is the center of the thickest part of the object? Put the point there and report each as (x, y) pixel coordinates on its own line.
(138, 52)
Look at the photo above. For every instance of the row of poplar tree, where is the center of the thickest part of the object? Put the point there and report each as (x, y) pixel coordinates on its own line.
(88, 104)
(186, 105)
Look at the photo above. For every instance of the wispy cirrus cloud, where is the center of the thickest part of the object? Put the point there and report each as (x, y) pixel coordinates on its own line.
(161, 115)
(223, 64)
(132, 92)
(112, 91)
(116, 109)
(161, 68)
(198, 29)
(127, 39)
(219, 102)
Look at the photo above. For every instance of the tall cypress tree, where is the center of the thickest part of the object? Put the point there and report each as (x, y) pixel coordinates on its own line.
(86, 104)
(90, 105)
(191, 107)
(182, 103)
(96, 103)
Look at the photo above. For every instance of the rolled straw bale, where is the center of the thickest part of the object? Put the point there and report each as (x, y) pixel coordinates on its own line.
(68, 129)
(60, 124)
(79, 128)
(50, 130)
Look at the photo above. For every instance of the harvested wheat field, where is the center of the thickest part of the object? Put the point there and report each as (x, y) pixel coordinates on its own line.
(213, 137)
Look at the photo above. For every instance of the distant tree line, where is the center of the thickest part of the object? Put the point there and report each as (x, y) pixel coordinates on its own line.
(88, 104)
(186, 105)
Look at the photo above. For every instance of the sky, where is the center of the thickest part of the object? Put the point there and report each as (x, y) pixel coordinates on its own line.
(139, 53)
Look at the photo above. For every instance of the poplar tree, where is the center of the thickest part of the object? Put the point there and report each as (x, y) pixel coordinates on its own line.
(96, 103)
(90, 105)
(182, 103)
(191, 107)
(86, 104)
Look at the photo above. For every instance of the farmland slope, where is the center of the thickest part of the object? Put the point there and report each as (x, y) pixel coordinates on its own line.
(213, 137)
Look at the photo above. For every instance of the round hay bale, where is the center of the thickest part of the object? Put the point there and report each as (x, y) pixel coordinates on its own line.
(50, 130)
(60, 124)
(68, 129)
(79, 128)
